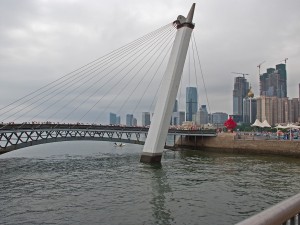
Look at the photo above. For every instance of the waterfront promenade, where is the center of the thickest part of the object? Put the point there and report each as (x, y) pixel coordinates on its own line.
(240, 143)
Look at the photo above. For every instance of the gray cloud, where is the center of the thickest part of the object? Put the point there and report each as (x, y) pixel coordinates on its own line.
(42, 40)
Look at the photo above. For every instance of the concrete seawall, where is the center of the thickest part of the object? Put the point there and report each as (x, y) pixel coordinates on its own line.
(225, 142)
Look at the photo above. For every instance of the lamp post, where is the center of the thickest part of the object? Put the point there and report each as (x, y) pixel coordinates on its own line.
(250, 96)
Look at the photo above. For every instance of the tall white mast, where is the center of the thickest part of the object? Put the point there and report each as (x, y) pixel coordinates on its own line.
(158, 130)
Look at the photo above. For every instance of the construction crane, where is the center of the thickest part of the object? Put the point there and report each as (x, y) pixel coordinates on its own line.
(244, 74)
(284, 60)
(260, 66)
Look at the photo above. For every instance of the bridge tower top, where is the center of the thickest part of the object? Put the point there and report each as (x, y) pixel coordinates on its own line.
(189, 18)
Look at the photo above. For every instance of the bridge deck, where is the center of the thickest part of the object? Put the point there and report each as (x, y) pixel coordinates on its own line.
(81, 127)
(16, 136)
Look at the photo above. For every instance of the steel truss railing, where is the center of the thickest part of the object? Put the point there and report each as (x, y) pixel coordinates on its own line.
(16, 136)
(11, 140)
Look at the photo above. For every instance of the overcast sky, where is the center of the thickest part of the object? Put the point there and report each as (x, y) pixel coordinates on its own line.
(41, 40)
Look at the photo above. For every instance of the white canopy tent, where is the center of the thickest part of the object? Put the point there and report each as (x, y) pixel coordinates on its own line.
(279, 126)
(257, 123)
(265, 124)
(288, 126)
(292, 126)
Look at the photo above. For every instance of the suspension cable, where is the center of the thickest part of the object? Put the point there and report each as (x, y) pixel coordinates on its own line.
(36, 92)
(121, 89)
(147, 73)
(131, 47)
(88, 88)
(202, 74)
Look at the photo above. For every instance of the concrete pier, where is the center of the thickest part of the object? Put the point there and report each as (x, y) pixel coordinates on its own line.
(147, 157)
(226, 142)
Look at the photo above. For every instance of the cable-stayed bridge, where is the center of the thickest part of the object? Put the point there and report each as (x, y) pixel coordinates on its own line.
(129, 80)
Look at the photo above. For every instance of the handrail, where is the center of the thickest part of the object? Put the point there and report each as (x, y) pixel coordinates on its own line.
(281, 213)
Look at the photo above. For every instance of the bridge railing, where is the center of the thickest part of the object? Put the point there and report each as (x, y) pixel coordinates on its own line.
(284, 213)
(28, 126)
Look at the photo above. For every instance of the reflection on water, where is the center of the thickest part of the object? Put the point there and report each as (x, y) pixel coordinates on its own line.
(96, 183)
(160, 188)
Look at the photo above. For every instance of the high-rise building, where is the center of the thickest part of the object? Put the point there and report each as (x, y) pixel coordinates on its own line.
(273, 82)
(294, 110)
(134, 122)
(175, 109)
(237, 118)
(112, 118)
(146, 118)
(191, 102)
(174, 118)
(273, 105)
(118, 120)
(181, 117)
(241, 88)
(249, 108)
(219, 118)
(201, 116)
(299, 106)
(129, 120)
(264, 109)
(178, 118)
(274, 110)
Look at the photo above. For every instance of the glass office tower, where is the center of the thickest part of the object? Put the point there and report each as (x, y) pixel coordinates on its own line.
(191, 102)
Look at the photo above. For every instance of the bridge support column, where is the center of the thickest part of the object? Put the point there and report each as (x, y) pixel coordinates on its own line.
(148, 157)
(158, 130)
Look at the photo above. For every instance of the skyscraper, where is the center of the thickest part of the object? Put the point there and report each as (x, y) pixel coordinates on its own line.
(146, 118)
(134, 122)
(178, 118)
(294, 110)
(129, 120)
(241, 87)
(112, 118)
(273, 82)
(175, 115)
(175, 109)
(118, 120)
(219, 118)
(249, 108)
(202, 115)
(275, 110)
(191, 102)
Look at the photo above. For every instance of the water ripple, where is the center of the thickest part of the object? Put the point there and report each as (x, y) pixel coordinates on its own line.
(112, 187)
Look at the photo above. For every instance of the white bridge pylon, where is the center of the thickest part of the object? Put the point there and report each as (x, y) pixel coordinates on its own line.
(158, 131)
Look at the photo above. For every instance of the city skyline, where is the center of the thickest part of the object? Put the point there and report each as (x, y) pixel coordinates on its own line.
(38, 46)
(271, 105)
